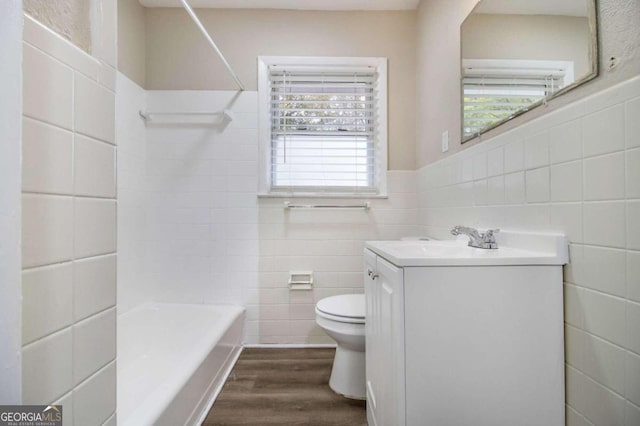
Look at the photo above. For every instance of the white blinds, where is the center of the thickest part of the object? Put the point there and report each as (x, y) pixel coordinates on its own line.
(323, 129)
(493, 95)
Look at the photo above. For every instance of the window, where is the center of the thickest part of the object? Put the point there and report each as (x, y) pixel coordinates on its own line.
(496, 89)
(323, 126)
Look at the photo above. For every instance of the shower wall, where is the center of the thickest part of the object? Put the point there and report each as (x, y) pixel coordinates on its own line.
(69, 224)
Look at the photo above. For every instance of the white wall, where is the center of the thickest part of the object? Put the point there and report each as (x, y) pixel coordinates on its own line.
(577, 171)
(134, 286)
(10, 143)
(69, 223)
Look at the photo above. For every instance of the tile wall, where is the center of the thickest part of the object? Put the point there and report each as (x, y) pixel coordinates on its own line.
(69, 225)
(192, 229)
(575, 170)
(328, 242)
(134, 285)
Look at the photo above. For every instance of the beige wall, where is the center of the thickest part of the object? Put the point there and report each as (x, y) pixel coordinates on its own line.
(132, 49)
(179, 58)
(438, 87)
(540, 37)
(69, 18)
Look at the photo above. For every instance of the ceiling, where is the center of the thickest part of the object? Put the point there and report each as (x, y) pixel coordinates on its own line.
(291, 4)
(537, 7)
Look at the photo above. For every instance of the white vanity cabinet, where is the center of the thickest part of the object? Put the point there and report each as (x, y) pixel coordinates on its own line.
(469, 343)
(384, 334)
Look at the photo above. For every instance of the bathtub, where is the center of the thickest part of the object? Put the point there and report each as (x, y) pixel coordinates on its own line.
(173, 360)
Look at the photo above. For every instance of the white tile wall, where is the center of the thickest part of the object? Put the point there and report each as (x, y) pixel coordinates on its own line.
(68, 219)
(202, 235)
(581, 179)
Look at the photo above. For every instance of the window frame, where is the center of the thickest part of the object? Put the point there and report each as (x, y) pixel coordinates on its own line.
(264, 125)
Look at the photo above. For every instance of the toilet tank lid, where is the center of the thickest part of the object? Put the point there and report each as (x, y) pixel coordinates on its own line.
(344, 305)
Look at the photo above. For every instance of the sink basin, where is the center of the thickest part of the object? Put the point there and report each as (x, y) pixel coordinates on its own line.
(515, 248)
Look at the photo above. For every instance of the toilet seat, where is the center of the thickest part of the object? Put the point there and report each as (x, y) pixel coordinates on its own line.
(349, 308)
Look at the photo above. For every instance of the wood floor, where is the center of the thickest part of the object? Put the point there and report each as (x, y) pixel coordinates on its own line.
(283, 387)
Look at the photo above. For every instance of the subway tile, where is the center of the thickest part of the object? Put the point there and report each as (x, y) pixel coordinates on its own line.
(633, 173)
(604, 177)
(574, 418)
(95, 400)
(495, 190)
(50, 358)
(536, 151)
(514, 187)
(603, 131)
(605, 270)
(46, 301)
(567, 218)
(604, 363)
(633, 225)
(95, 168)
(94, 227)
(58, 47)
(633, 275)
(94, 285)
(632, 121)
(495, 162)
(47, 229)
(94, 344)
(565, 142)
(94, 108)
(633, 325)
(574, 340)
(604, 316)
(566, 181)
(632, 414)
(67, 408)
(514, 157)
(604, 224)
(602, 406)
(537, 185)
(574, 386)
(47, 88)
(47, 155)
(480, 166)
(574, 305)
(632, 391)
(574, 270)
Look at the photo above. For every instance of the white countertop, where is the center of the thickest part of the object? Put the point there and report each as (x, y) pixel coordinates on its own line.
(515, 248)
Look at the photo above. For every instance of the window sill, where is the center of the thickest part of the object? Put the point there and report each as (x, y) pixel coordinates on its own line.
(328, 195)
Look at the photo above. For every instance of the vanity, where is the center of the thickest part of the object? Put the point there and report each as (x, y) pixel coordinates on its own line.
(457, 335)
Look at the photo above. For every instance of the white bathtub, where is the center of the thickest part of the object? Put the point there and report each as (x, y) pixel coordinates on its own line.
(173, 359)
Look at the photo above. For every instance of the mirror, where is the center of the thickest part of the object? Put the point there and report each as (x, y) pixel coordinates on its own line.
(518, 54)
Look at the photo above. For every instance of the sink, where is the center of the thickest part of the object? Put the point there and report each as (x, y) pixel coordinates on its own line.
(515, 248)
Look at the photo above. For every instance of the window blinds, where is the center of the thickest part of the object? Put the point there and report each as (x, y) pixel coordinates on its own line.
(323, 129)
(493, 95)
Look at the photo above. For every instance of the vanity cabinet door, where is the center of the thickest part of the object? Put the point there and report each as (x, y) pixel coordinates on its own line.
(385, 343)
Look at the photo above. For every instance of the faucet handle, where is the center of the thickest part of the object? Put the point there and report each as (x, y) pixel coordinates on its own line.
(490, 232)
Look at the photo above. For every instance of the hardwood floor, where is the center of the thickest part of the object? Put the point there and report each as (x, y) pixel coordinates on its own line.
(283, 387)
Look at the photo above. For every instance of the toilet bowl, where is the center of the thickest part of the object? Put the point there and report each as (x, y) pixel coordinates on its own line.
(342, 318)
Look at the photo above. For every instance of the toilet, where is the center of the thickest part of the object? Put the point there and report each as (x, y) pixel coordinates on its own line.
(342, 317)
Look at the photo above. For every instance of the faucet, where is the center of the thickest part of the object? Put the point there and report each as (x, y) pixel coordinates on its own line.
(485, 240)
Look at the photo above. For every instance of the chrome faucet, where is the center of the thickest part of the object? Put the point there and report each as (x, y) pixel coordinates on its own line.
(485, 240)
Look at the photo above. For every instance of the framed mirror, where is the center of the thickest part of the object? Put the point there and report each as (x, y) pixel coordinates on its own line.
(518, 54)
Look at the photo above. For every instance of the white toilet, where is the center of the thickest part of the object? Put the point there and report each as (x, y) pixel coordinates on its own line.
(342, 317)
